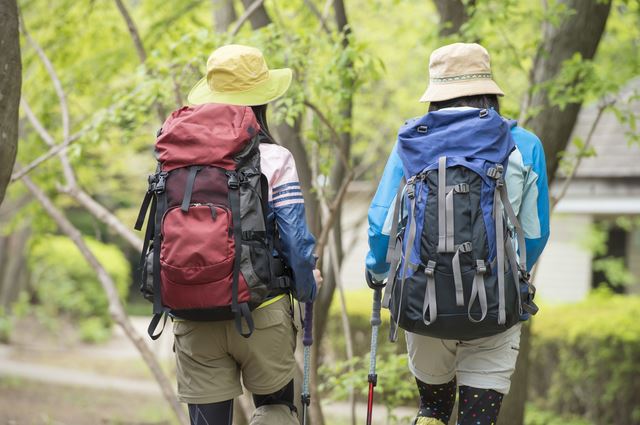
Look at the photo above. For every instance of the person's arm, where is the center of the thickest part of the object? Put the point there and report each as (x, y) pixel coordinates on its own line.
(532, 206)
(379, 217)
(287, 204)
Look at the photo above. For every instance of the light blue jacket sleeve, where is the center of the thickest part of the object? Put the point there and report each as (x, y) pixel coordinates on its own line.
(382, 203)
(532, 206)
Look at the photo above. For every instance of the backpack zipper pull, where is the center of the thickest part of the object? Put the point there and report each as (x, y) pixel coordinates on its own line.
(214, 214)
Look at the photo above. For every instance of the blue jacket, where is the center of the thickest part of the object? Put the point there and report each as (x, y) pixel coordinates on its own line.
(526, 181)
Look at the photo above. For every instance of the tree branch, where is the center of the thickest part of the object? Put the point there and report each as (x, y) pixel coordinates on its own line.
(116, 309)
(37, 125)
(334, 210)
(245, 16)
(565, 185)
(104, 215)
(64, 108)
(72, 189)
(335, 137)
(139, 46)
(133, 31)
(55, 150)
(67, 170)
(318, 15)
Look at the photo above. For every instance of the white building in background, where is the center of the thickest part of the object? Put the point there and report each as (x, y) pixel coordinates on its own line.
(605, 186)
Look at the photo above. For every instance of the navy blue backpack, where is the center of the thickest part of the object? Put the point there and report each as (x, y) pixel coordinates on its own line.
(455, 268)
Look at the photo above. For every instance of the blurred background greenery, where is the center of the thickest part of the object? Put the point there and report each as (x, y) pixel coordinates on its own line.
(102, 75)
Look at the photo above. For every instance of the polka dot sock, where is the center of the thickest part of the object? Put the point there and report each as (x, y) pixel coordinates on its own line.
(478, 406)
(436, 401)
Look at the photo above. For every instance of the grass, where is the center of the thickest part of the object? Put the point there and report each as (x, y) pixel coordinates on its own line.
(29, 403)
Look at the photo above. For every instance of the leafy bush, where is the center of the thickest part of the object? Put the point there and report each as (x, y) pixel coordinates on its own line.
(65, 284)
(359, 303)
(586, 359)
(396, 386)
(535, 416)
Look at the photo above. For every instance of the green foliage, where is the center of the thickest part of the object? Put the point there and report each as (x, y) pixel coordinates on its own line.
(585, 361)
(596, 240)
(535, 416)
(65, 284)
(615, 271)
(6, 326)
(93, 330)
(396, 386)
(586, 357)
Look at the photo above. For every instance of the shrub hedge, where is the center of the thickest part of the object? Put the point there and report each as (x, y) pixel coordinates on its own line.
(65, 284)
(585, 359)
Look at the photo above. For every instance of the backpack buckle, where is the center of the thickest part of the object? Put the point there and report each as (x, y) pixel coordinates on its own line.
(160, 182)
(495, 172)
(233, 182)
(484, 113)
(481, 266)
(430, 268)
(465, 247)
(461, 188)
(411, 187)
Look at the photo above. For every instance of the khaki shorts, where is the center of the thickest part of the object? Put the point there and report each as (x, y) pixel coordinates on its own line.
(486, 363)
(210, 356)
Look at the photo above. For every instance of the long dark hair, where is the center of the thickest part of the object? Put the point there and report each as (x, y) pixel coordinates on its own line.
(482, 101)
(260, 111)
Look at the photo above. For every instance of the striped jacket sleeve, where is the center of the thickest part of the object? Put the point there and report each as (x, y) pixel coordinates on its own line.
(287, 205)
(379, 216)
(527, 174)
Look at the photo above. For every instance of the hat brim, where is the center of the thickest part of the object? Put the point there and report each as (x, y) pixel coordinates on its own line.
(437, 92)
(268, 90)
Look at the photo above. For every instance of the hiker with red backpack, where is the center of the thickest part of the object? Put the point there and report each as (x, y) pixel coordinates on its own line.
(227, 247)
(459, 218)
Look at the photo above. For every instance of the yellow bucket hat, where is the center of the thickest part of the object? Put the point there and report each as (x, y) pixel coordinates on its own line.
(239, 75)
(457, 70)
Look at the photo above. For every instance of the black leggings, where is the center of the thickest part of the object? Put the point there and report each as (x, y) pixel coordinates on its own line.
(222, 412)
(475, 405)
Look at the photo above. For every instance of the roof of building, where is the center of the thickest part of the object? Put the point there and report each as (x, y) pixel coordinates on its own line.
(615, 155)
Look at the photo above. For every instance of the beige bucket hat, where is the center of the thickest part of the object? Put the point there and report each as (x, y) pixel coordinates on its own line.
(459, 69)
(239, 75)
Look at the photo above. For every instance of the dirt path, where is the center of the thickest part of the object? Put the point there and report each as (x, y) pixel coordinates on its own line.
(113, 370)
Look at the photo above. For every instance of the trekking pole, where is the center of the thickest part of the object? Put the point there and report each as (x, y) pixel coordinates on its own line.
(375, 325)
(307, 340)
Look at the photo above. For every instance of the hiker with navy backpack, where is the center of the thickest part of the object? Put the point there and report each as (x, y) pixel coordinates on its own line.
(459, 218)
(227, 247)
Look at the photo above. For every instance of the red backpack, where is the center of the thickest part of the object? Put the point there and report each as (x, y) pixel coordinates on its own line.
(207, 254)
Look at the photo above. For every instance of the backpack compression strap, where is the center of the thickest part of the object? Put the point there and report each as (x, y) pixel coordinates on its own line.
(240, 310)
(394, 249)
(158, 309)
(411, 236)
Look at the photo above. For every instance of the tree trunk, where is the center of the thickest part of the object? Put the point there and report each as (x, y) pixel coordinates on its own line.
(512, 411)
(453, 14)
(224, 14)
(10, 85)
(13, 265)
(554, 125)
(259, 18)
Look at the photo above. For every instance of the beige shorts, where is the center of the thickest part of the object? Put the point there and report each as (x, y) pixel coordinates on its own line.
(486, 363)
(211, 356)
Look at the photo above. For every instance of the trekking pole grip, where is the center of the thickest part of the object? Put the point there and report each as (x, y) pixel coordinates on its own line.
(307, 338)
(377, 305)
